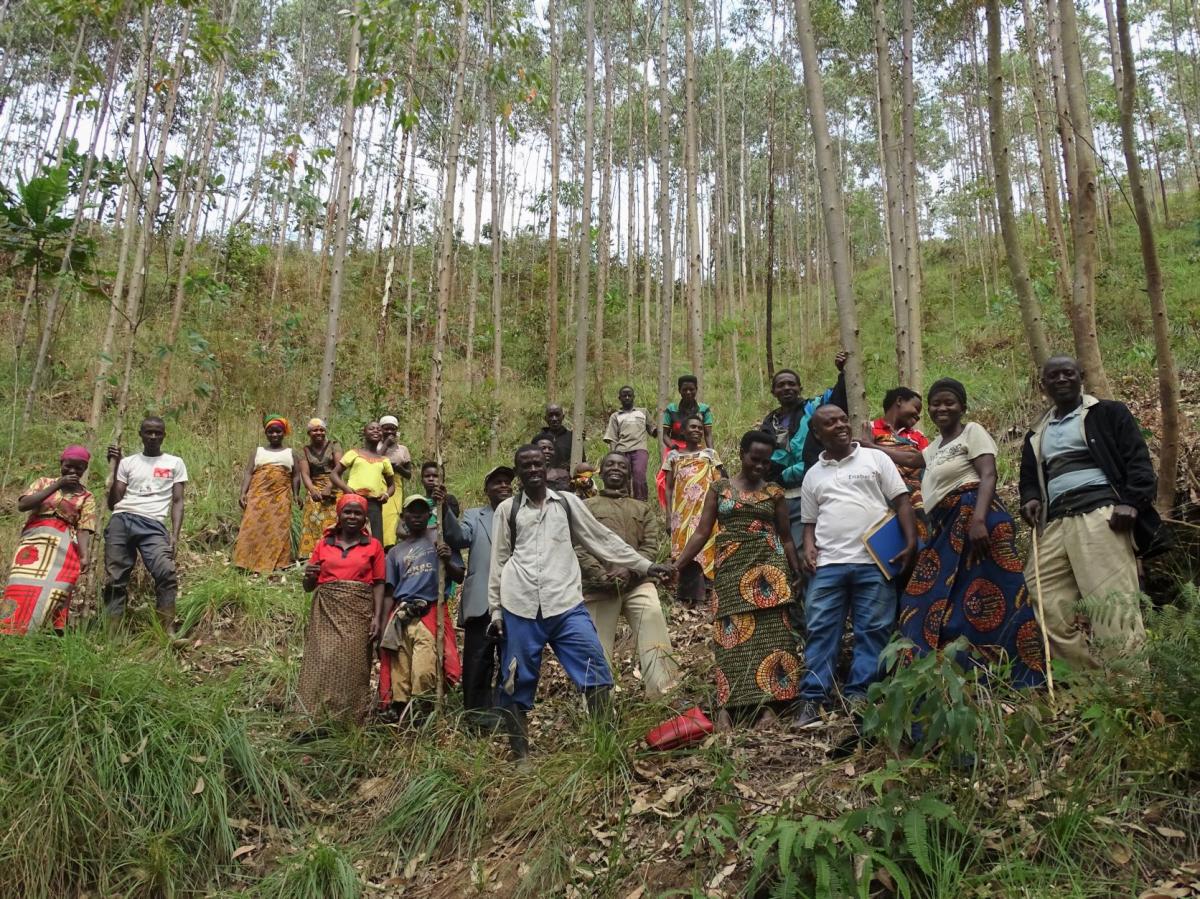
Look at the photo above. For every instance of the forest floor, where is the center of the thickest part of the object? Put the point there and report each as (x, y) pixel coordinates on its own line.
(134, 765)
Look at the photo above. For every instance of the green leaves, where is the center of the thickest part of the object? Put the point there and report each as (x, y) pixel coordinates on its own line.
(31, 227)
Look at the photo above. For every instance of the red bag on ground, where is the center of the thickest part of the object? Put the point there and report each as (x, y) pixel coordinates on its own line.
(683, 730)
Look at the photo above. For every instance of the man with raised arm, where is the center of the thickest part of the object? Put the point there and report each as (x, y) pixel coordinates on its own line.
(796, 449)
(535, 592)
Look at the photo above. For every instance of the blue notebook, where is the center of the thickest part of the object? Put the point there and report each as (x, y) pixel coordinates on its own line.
(884, 541)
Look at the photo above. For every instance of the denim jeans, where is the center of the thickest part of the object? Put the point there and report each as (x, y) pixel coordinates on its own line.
(832, 591)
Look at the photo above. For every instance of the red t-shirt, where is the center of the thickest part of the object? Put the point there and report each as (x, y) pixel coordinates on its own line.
(362, 562)
(880, 428)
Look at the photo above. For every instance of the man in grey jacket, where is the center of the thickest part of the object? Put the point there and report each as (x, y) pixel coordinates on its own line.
(474, 534)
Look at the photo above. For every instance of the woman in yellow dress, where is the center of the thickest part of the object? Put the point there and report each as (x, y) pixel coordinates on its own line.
(364, 471)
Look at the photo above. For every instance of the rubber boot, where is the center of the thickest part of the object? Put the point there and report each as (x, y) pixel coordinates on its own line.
(516, 725)
(599, 701)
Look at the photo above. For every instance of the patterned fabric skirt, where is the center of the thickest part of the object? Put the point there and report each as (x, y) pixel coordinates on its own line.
(335, 674)
(756, 658)
(44, 570)
(755, 646)
(317, 517)
(986, 602)
(264, 541)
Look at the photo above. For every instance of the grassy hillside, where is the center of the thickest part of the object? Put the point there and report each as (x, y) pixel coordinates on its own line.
(137, 767)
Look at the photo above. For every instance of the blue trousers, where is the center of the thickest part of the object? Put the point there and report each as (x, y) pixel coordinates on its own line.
(832, 591)
(571, 635)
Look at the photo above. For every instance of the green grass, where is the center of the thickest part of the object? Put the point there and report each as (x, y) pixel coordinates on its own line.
(118, 773)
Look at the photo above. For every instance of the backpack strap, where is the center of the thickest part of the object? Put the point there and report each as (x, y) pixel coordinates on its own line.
(516, 504)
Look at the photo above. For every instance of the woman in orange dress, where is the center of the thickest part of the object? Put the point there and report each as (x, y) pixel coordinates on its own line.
(264, 541)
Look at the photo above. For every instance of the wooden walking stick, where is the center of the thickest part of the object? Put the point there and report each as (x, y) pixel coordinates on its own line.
(440, 611)
(1041, 613)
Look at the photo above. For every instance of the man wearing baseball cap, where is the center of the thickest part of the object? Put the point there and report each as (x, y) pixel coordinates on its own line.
(408, 633)
(474, 534)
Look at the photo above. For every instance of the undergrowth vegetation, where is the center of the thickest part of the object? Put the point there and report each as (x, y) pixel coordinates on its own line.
(139, 767)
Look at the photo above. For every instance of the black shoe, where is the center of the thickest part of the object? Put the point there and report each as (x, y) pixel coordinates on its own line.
(518, 733)
(808, 714)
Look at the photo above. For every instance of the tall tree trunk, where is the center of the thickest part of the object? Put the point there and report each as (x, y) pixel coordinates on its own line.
(48, 327)
(433, 414)
(473, 289)
(137, 278)
(1031, 306)
(1168, 376)
(667, 281)
(583, 268)
(691, 169)
(552, 243)
(345, 179)
(912, 212)
(831, 201)
(604, 250)
(889, 151)
(497, 286)
(647, 267)
(1083, 221)
(1047, 165)
(197, 208)
(630, 210)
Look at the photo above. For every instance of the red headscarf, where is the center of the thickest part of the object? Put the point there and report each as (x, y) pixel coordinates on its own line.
(347, 499)
(76, 452)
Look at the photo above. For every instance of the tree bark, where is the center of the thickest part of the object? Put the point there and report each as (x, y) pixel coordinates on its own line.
(695, 333)
(345, 178)
(664, 209)
(832, 208)
(1168, 375)
(583, 267)
(1031, 306)
(889, 151)
(1083, 220)
(912, 212)
(552, 243)
(433, 414)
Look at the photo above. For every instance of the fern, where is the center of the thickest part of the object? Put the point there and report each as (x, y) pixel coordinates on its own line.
(916, 837)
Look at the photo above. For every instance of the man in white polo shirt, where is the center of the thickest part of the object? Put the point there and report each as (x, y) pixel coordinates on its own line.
(849, 489)
(148, 488)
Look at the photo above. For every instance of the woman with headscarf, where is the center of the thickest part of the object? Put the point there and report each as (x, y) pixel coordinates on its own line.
(264, 541)
(364, 471)
(968, 580)
(53, 550)
(346, 576)
(316, 460)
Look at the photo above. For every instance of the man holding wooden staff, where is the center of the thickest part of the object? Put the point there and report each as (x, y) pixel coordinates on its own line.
(1087, 488)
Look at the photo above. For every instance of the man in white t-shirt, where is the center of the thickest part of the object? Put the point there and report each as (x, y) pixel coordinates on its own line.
(147, 488)
(849, 489)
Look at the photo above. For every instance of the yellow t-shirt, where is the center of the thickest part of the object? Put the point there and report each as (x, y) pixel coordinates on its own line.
(361, 473)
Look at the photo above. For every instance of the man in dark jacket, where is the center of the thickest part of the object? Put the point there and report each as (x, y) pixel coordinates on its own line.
(1088, 487)
(796, 448)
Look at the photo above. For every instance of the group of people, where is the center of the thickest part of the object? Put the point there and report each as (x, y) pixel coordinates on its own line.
(781, 547)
